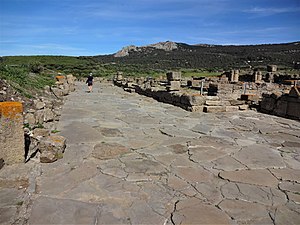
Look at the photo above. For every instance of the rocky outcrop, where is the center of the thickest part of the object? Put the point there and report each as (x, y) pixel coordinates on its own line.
(166, 46)
(125, 51)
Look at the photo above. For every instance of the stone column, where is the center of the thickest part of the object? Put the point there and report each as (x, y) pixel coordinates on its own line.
(12, 146)
(234, 76)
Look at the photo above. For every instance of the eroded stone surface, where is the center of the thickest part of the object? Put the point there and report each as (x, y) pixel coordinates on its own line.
(109, 150)
(254, 177)
(259, 157)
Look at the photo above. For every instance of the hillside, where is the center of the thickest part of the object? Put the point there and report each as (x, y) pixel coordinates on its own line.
(156, 59)
(168, 55)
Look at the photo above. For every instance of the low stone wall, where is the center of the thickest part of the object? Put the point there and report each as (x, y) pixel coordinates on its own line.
(286, 105)
(188, 101)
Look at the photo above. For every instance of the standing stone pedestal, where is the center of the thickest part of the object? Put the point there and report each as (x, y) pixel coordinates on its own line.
(12, 146)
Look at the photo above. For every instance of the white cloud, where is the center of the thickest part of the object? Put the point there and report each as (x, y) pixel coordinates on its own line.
(259, 11)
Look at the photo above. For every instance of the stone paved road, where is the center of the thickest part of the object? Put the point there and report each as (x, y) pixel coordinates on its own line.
(132, 160)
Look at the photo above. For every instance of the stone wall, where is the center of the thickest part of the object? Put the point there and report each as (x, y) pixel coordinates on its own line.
(25, 128)
(286, 105)
(167, 92)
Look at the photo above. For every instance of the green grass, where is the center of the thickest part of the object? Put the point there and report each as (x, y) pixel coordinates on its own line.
(23, 81)
(198, 73)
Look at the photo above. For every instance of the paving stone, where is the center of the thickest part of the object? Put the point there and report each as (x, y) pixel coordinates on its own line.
(287, 214)
(193, 174)
(109, 150)
(62, 182)
(294, 197)
(134, 163)
(175, 132)
(62, 211)
(259, 157)
(210, 191)
(192, 211)
(228, 163)
(246, 212)
(178, 148)
(11, 197)
(287, 174)
(206, 153)
(110, 132)
(255, 177)
(7, 215)
(78, 132)
(290, 186)
(203, 128)
(252, 193)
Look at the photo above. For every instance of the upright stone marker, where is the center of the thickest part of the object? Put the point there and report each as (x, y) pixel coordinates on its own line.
(12, 147)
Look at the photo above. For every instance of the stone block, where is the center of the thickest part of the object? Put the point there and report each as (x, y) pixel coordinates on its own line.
(192, 100)
(268, 104)
(214, 109)
(243, 107)
(30, 119)
(195, 108)
(70, 79)
(281, 108)
(236, 102)
(60, 79)
(249, 97)
(215, 103)
(11, 132)
(293, 109)
(272, 68)
(174, 76)
(52, 148)
(174, 86)
(231, 108)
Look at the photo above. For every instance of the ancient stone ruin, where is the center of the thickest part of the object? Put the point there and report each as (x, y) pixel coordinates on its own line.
(229, 92)
(30, 130)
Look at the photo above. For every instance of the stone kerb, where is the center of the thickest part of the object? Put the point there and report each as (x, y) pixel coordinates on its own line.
(11, 132)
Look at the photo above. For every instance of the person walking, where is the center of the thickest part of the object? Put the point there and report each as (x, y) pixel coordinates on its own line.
(89, 82)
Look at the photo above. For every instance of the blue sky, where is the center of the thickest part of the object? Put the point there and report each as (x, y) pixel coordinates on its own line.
(96, 27)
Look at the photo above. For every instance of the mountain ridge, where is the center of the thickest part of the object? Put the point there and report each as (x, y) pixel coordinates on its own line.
(170, 55)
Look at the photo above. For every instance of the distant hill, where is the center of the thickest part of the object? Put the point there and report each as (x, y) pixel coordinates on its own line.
(170, 55)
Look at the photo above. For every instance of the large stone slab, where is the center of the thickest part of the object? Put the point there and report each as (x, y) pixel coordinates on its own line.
(259, 156)
(192, 211)
(205, 153)
(109, 150)
(287, 174)
(255, 177)
(252, 193)
(62, 211)
(246, 212)
(78, 132)
(228, 163)
(287, 214)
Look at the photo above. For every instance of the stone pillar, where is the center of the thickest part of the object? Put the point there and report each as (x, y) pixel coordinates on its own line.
(272, 68)
(12, 146)
(234, 76)
(174, 76)
(257, 77)
(174, 79)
